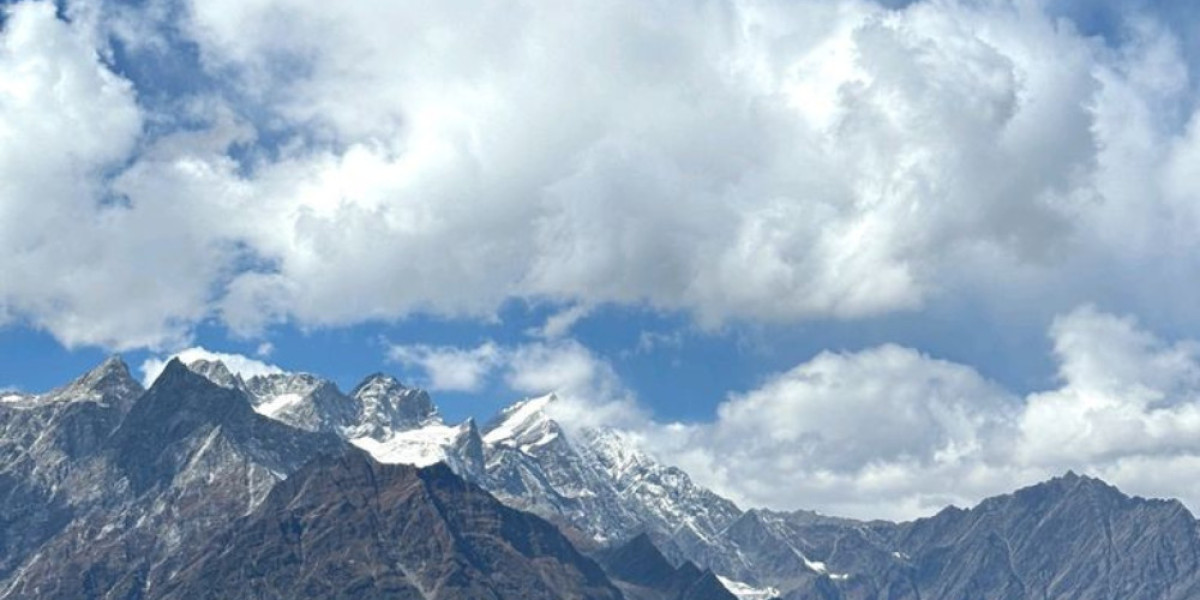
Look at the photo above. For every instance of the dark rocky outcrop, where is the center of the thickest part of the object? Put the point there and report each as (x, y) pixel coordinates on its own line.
(645, 574)
(349, 527)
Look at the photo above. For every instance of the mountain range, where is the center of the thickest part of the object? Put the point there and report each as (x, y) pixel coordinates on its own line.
(211, 485)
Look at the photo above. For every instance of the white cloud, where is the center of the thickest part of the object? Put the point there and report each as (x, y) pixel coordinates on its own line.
(264, 350)
(766, 161)
(590, 392)
(81, 257)
(68, 264)
(1125, 393)
(449, 368)
(560, 323)
(589, 389)
(878, 433)
(889, 432)
(565, 367)
(236, 363)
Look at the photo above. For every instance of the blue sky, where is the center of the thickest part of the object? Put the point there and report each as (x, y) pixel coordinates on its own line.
(683, 377)
(707, 221)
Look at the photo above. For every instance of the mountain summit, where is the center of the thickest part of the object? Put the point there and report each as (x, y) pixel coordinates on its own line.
(388, 406)
(211, 485)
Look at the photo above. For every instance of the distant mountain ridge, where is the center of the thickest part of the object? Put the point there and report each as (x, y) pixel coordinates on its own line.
(108, 490)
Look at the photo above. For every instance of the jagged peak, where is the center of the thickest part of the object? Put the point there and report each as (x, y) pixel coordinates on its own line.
(109, 381)
(174, 373)
(298, 383)
(1072, 480)
(112, 367)
(377, 381)
(387, 406)
(184, 397)
(217, 372)
(525, 424)
(113, 362)
(291, 379)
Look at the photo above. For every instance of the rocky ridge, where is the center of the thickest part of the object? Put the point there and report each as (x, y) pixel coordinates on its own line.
(109, 490)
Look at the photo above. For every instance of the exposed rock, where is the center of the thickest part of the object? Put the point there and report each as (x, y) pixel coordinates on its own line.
(350, 527)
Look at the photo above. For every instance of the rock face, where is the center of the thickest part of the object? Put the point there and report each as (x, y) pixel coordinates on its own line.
(1070, 537)
(644, 573)
(388, 406)
(599, 483)
(303, 401)
(48, 456)
(187, 458)
(350, 527)
(211, 485)
(599, 488)
(190, 492)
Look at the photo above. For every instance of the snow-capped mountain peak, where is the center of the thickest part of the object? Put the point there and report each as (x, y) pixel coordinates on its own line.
(388, 406)
(525, 425)
(303, 401)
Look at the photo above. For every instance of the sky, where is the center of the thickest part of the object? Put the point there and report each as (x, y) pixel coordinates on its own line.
(864, 257)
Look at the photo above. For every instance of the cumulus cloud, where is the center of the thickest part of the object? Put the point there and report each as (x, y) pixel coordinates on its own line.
(449, 368)
(763, 161)
(590, 392)
(68, 257)
(236, 363)
(882, 432)
(566, 367)
(891, 432)
(1125, 392)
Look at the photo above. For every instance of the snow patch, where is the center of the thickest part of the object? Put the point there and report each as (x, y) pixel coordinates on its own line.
(418, 447)
(745, 591)
(815, 565)
(278, 404)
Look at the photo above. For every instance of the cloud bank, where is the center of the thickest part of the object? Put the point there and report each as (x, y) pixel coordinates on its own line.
(752, 161)
(890, 432)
